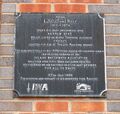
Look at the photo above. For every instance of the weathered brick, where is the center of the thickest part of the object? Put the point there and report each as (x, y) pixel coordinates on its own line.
(112, 29)
(34, 7)
(38, 113)
(88, 106)
(74, 8)
(16, 1)
(112, 1)
(41, 99)
(15, 106)
(7, 18)
(113, 72)
(56, 113)
(6, 71)
(86, 1)
(6, 61)
(113, 84)
(6, 94)
(7, 113)
(113, 61)
(6, 84)
(113, 50)
(91, 113)
(8, 8)
(113, 107)
(6, 50)
(112, 19)
(113, 95)
(49, 1)
(0, 5)
(74, 113)
(7, 29)
(51, 106)
(97, 113)
(66, 1)
(104, 9)
(111, 40)
(7, 39)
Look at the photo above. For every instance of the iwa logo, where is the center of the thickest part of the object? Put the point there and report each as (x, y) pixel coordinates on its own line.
(37, 87)
(82, 87)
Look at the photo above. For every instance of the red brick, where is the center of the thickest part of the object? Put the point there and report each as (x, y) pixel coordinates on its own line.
(88, 106)
(51, 106)
(34, 7)
(60, 1)
(73, 8)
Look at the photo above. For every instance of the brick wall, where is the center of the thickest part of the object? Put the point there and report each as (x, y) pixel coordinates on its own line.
(109, 105)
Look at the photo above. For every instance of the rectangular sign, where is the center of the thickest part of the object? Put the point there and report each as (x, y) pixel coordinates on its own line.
(59, 54)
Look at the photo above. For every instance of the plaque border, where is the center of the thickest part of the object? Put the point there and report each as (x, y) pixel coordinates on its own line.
(17, 94)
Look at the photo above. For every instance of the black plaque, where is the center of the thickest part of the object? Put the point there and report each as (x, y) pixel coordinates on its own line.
(59, 54)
